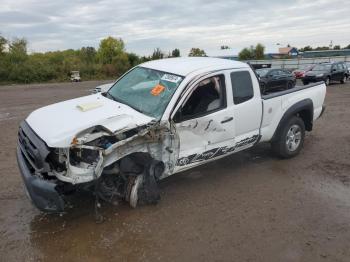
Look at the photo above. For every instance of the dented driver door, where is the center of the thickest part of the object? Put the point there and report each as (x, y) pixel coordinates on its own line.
(208, 134)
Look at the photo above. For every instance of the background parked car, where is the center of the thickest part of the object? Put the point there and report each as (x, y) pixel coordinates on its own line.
(275, 79)
(327, 72)
(302, 70)
(102, 88)
(75, 76)
(348, 67)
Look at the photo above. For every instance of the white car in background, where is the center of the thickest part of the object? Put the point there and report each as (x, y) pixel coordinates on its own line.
(102, 88)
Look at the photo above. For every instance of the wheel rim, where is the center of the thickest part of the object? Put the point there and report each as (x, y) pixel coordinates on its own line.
(133, 198)
(293, 138)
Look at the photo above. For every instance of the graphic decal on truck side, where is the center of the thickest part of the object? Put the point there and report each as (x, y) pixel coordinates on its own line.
(215, 152)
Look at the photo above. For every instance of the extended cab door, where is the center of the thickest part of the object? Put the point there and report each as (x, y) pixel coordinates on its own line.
(204, 125)
(247, 107)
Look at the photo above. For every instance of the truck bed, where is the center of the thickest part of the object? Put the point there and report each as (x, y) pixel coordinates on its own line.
(276, 104)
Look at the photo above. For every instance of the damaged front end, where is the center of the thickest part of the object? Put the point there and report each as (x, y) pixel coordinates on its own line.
(122, 165)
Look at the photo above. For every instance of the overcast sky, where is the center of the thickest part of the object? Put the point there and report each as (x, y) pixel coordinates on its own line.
(207, 24)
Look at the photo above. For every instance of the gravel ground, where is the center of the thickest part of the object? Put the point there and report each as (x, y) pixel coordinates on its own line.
(249, 206)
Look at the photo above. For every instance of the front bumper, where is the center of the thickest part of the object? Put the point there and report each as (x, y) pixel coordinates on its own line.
(42, 192)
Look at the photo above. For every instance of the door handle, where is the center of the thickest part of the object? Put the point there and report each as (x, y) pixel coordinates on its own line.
(228, 119)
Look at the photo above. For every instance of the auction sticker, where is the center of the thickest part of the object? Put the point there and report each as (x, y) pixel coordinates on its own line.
(157, 90)
(171, 78)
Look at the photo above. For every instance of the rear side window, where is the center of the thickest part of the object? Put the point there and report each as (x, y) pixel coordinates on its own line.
(242, 86)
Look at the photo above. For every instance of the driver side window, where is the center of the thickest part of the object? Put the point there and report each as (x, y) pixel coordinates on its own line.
(208, 96)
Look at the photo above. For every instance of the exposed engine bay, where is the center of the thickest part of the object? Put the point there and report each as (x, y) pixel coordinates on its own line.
(121, 166)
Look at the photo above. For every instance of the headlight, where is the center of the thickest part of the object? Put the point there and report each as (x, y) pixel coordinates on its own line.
(319, 75)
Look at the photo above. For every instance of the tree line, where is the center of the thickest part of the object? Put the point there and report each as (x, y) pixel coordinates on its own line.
(110, 60)
(321, 48)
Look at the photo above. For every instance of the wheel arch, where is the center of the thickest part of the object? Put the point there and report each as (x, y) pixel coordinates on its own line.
(303, 109)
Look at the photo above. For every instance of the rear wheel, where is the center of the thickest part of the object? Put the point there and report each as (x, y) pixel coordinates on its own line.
(343, 80)
(290, 138)
(290, 85)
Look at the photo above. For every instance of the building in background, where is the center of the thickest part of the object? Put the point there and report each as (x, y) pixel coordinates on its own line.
(284, 52)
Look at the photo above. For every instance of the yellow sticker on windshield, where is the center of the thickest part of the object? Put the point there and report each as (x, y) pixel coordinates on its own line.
(157, 90)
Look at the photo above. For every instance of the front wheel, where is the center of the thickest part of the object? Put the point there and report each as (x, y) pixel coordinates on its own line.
(290, 138)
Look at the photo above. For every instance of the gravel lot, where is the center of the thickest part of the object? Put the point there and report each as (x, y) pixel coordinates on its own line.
(247, 207)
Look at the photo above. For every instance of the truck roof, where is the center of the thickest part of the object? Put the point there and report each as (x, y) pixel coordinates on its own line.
(184, 66)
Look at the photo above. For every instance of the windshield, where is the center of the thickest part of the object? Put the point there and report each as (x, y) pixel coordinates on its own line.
(262, 72)
(321, 67)
(146, 90)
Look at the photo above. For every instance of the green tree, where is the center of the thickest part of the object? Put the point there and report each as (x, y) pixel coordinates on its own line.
(337, 47)
(18, 50)
(88, 54)
(306, 48)
(259, 51)
(157, 54)
(175, 53)
(109, 48)
(3, 42)
(347, 47)
(134, 59)
(320, 48)
(197, 52)
(223, 47)
(247, 53)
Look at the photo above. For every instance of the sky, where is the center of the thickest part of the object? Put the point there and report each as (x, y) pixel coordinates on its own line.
(146, 24)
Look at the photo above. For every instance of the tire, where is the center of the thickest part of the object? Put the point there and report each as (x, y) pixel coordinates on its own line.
(343, 80)
(327, 81)
(290, 85)
(290, 138)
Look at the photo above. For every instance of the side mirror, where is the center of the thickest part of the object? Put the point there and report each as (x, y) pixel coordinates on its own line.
(333, 70)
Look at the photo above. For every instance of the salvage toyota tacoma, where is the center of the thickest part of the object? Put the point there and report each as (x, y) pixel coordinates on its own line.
(160, 118)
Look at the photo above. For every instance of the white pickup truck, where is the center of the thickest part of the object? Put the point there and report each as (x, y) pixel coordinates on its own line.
(158, 119)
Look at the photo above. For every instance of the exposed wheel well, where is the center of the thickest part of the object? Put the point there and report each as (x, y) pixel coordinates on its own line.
(303, 109)
(306, 116)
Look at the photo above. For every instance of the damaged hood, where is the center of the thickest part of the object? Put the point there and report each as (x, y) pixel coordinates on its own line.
(59, 123)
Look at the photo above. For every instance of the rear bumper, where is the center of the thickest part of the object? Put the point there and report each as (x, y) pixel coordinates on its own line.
(42, 192)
